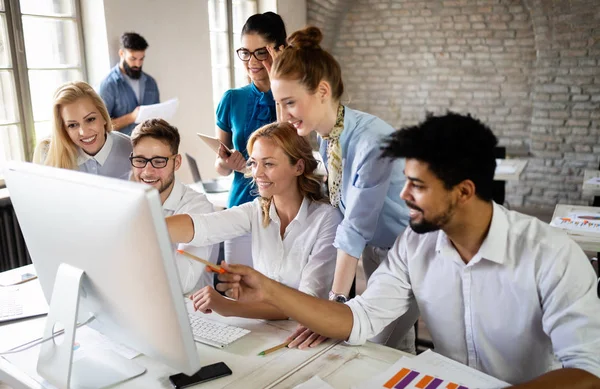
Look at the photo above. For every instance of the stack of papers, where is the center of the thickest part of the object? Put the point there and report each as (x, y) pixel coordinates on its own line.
(431, 371)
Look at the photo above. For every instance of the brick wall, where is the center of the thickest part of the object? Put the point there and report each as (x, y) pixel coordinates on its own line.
(529, 69)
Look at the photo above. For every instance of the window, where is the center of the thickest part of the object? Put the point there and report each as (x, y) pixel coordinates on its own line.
(40, 49)
(226, 20)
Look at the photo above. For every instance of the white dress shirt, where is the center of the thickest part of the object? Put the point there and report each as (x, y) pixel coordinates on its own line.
(304, 259)
(111, 161)
(524, 304)
(192, 274)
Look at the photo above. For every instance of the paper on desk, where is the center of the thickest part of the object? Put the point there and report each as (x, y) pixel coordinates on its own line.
(436, 367)
(314, 383)
(164, 110)
(505, 169)
(593, 181)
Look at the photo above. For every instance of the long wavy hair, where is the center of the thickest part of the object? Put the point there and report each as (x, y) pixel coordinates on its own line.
(59, 149)
(284, 135)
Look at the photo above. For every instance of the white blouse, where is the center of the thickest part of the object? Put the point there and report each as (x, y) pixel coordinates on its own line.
(304, 259)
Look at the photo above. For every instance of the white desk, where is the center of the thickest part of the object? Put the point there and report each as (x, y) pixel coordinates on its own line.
(249, 369)
(342, 366)
(515, 166)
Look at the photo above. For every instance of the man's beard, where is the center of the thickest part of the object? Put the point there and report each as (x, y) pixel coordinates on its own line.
(424, 226)
(134, 73)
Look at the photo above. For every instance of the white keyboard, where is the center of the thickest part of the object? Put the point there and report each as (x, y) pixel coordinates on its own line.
(214, 333)
(10, 304)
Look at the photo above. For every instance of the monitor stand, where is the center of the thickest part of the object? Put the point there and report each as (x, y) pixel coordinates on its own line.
(55, 363)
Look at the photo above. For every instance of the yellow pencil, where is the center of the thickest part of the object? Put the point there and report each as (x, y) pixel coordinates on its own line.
(269, 351)
(216, 268)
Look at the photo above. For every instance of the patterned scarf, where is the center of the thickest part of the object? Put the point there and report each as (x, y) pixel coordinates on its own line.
(334, 158)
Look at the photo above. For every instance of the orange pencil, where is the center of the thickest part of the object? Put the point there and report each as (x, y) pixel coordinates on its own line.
(216, 268)
(279, 346)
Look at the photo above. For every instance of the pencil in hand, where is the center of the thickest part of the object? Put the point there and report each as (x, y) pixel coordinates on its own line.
(272, 349)
(216, 268)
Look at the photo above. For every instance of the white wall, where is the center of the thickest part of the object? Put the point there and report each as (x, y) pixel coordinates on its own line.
(94, 40)
(293, 12)
(178, 58)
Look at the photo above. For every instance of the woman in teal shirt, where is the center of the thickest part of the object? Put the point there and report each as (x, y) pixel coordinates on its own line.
(241, 111)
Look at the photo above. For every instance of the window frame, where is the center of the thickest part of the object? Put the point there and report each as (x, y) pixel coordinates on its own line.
(231, 55)
(16, 43)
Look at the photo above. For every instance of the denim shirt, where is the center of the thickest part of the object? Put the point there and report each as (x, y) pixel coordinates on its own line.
(370, 201)
(120, 98)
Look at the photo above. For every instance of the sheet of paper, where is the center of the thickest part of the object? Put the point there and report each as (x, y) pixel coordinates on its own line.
(314, 383)
(581, 223)
(504, 168)
(164, 110)
(593, 181)
(431, 370)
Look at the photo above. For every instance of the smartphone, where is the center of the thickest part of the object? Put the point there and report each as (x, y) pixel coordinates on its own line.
(207, 373)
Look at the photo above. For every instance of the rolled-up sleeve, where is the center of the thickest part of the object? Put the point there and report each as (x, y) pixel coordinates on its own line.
(219, 226)
(571, 309)
(387, 297)
(364, 198)
(317, 275)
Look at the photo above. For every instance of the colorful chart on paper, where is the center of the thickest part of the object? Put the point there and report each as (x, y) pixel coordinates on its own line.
(411, 379)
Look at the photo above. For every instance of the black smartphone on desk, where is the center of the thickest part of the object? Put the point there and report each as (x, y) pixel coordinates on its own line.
(207, 373)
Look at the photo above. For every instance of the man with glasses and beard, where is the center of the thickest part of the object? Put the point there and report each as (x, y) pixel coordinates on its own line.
(154, 160)
(500, 291)
(127, 87)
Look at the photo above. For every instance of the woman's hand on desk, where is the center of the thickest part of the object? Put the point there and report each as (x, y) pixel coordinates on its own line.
(303, 338)
(207, 300)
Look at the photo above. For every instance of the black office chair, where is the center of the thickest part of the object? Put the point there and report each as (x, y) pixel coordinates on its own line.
(499, 187)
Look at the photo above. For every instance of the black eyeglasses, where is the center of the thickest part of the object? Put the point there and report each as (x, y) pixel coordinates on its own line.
(261, 54)
(156, 162)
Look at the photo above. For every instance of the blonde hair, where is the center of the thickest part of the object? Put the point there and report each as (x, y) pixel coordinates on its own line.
(60, 150)
(284, 135)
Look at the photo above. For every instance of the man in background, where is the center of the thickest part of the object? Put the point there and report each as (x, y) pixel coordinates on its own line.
(127, 87)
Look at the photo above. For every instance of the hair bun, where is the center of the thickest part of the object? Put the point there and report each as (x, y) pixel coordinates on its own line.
(307, 38)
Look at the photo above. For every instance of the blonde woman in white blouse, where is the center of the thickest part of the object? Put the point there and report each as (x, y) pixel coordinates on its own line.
(292, 224)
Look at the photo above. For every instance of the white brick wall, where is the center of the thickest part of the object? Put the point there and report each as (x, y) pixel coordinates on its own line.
(529, 69)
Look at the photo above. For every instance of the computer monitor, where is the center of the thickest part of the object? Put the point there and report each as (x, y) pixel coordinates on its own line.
(111, 234)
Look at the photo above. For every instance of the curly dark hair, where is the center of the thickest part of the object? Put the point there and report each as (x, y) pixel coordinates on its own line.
(456, 147)
(133, 41)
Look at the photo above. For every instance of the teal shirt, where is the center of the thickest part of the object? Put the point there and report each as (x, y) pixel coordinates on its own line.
(242, 111)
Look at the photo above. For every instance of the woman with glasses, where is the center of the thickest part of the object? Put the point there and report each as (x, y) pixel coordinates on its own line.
(292, 224)
(243, 110)
(82, 137)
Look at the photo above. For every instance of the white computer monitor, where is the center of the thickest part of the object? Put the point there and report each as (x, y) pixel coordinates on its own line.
(114, 232)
